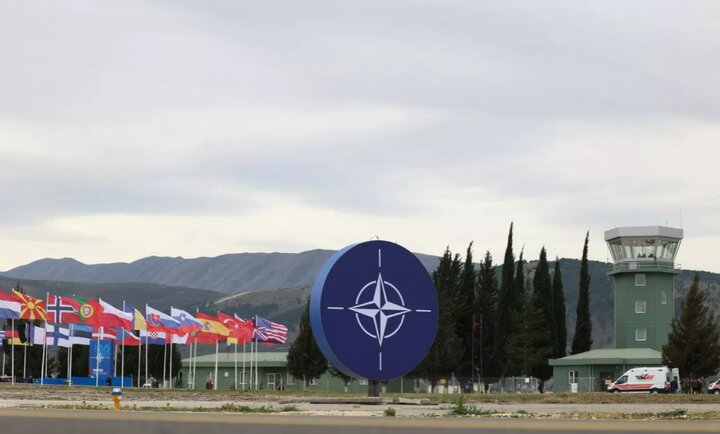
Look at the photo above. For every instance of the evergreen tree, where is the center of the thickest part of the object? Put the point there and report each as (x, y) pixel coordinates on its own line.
(487, 294)
(445, 353)
(543, 301)
(692, 345)
(525, 353)
(464, 310)
(519, 282)
(304, 359)
(506, 304)
(582, 340)
(559, 302)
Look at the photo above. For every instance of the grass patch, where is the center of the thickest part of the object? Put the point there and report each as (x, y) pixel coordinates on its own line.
(461, 408)
(390, 412)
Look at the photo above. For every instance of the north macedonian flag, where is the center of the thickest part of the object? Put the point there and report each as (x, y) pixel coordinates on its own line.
(30, 308)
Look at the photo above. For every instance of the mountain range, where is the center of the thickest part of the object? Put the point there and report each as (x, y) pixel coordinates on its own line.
(277, 285)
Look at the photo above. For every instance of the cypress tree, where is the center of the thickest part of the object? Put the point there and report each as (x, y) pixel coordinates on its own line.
(446, 350)
(519, 282)
(526, 352)
(582, 340)
(543, 301)
(464, 310)
(487, 294)
(505, 305)
(304, 359)
(692, 345)
(559, 302)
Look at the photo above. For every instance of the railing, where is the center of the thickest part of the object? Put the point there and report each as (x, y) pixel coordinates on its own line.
(640, 266)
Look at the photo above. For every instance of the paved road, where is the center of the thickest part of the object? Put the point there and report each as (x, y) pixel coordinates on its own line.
(108, 422)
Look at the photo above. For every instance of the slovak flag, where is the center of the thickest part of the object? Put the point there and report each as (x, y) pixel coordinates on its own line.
(9, 306)
(62, 310)
(160, 322)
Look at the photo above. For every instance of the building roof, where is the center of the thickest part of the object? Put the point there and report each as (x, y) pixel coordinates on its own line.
(614, 356)
(644, 231)
(225, 359)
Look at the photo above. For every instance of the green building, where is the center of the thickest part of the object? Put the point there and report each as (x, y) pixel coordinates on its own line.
(272, 374)
(643, 273)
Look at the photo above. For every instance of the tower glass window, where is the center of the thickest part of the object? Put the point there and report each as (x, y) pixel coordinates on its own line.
(639, 279)
(663, 297)
(640, 306)
(640, 334)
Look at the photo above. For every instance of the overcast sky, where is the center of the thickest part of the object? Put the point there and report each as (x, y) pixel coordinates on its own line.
(185, 128)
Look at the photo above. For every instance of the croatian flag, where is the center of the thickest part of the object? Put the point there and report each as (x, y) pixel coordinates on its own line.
(153, 337)
(9, 306)
(268, 331)
(160, 322)
(188, 323)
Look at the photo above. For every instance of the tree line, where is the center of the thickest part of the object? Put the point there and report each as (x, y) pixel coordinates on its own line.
(488, 327)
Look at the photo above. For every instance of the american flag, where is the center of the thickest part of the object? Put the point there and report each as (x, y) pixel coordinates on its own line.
(268, 331)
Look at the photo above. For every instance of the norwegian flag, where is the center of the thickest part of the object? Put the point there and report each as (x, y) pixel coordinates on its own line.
(269, 331)
(62, 310)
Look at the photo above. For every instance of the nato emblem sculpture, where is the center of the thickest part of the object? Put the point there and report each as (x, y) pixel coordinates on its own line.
(374, 311)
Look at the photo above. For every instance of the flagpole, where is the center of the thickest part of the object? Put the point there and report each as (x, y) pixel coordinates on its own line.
(146, 347)
(236, 383)
(97, 358)
(215, 378)
(122, 361)
(257, 386)
(139, 360)
(164, 360)
(244, 378)
(12, 355)
(171, 357)
(70, 351)
(44, 364)
(195, 367)
(24, 361)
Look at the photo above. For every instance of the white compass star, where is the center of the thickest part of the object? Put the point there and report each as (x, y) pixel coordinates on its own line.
(380, 309)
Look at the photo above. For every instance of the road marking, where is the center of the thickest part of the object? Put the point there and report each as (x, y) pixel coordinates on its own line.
(347, 421)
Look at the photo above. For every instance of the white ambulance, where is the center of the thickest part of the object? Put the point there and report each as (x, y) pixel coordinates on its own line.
(714, 387)
(651, 380)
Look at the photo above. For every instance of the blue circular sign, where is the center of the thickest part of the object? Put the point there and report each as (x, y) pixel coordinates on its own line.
(374, 311)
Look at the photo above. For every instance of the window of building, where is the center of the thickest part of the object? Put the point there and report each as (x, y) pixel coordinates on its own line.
(640, 335)
(639, 280)
(313, 381)
(290, 379)
(640, 306)
(363, 382)
(226, 374)
(663, 297)
(573, 376)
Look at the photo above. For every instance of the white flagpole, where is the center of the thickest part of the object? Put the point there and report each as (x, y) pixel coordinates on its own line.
(45, 351)
(122, 361)
(236, 382)
(25, 362)
(164, 360)
(146, 347)
(257, 386)
(195, 367)
(171, 357)
(12, 355)
(72, 331)
(215, 378)
(97, 358)
(244, 378)
(70, 351)
(3, 363)
(139, 359)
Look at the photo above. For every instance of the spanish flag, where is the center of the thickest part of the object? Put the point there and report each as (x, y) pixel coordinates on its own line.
(30, 308)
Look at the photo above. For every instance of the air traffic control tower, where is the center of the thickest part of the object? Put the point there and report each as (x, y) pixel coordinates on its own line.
(643, 272)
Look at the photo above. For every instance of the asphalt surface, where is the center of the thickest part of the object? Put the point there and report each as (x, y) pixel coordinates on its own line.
(108, 422)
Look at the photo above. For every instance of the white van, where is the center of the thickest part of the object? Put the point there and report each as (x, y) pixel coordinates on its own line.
(651, 380)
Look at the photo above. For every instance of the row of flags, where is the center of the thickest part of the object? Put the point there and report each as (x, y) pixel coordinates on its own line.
(97, 319)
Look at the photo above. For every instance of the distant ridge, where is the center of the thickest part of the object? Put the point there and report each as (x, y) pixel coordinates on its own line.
(229, 273)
